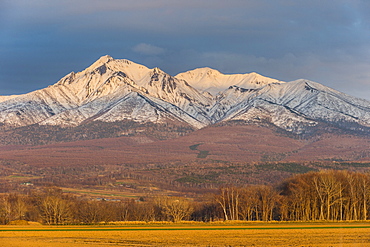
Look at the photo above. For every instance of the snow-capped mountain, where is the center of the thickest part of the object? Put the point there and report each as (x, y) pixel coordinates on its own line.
(109, 90)
(113, 90)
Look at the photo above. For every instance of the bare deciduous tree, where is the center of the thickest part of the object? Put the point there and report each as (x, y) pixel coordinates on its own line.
(176, 208)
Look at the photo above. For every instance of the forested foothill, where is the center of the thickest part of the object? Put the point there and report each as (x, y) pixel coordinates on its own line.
(326, 195)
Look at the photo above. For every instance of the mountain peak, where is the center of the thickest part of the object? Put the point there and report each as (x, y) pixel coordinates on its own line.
(105, 58)
(213, 81)
(200, 73)
(157, 70)
(102, 60)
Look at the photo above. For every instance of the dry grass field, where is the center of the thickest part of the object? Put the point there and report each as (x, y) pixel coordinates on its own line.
(246, 234)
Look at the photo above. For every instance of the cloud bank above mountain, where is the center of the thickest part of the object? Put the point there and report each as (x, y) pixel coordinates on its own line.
(328, 42)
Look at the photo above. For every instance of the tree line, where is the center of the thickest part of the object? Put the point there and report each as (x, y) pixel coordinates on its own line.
(315, 196)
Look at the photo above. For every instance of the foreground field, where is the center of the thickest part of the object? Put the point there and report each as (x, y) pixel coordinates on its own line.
(279, 234)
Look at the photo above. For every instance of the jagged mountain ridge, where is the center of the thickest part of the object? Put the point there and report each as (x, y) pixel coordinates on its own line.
(117, 89)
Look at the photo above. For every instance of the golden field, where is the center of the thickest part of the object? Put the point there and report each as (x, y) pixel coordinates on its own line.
(227, 234)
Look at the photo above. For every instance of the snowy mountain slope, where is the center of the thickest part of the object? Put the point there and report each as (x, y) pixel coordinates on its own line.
(316, 101)
(293, 105)
(34, 107)
(254, 106)
(117, 89)
(7, 97)
(133, 106)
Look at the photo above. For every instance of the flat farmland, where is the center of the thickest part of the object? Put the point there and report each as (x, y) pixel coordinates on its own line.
(248, 234)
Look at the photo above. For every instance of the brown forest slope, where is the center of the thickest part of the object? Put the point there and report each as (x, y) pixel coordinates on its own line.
(226, 143)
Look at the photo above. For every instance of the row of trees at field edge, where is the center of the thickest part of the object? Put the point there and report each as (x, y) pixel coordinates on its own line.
(325, 195)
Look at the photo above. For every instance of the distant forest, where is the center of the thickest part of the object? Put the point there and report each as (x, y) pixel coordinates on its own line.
(329, 195)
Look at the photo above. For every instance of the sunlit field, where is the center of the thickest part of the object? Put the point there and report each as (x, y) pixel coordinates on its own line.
(221, 234)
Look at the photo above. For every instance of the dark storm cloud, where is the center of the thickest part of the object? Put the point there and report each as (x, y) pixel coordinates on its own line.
(325, 41)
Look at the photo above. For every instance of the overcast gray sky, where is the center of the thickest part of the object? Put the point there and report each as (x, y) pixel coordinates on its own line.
(327, 41)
